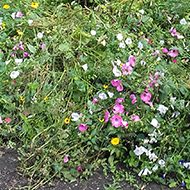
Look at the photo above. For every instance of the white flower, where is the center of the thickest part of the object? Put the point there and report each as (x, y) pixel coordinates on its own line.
(140, 150)
(93, 32)
(75, 116)
(118, 62)
(119, 36)
(85, 66)
(153, 134)
(161, 162)
(151, 3)
(183, 21)
(72, 2)
(145, 141)
(186, 164)
(90, 111)
(141, 11)
(175, 114)
(153, 157)
(103, 42)
(140, 45)
(7, 62)
(40, 35)
(128, 41)
(162, 41)
(180, 36)
(14, 74)
(163, 109)
(18, 61)
(140, 173)
(116, 71)
(155, 123)
(152, 140)
(110, 94)
(30, 22)
(172, 99)
(102, 96)
(158, 59)
(1, 121)
(1, 22)
(155, 167)
(146, 172)
(143, 62)
(13, 15)
(122, 44)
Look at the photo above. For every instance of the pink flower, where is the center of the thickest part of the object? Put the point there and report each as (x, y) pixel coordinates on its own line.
(132, 61)
(133, 101)
(116, 82)
(25, 113)
(174, 61)
(70, 104)
(119, 100)
(21, 47)
(124, 124)
(18, 14)
(143, 36)
(132, 96)
(165, 50)
(79, 168)
(146, 97)
(119, 88)
(118, 109)
(112, 21)
(127, 113)
(25, 54)
(173, 32)
(82, 127)
(8, 120)
(150, 41)
(1, 121)
(15, 47)
(129, 68)
(66, 159)
(43, 45)
(94, 100)
(107, 115)
(135, 118)
(20, 43)
(116, 120)
(173, 53)
(14, 82)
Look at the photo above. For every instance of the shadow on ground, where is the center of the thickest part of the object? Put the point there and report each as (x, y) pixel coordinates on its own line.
(10, 179)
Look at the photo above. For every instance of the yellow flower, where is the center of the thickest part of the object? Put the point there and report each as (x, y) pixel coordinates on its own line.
(46, 98)
(6, 80)
(101, 120)
(22, 99)
(121, 64)
(103, 7)
(34, 5)
(105, 86)
(19, 33)
(3, 25)
(6, 6)
(150, 20)
(67, 120)
(115, 141)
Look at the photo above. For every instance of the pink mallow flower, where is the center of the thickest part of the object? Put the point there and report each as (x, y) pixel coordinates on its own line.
(165, 50)
(43, 45)
(25, 54)
(116, 82)
(79, 168)
(129, 69)
(107, 115)
(22, 47)
(94, 100)
(8, 120)
(66, 159)
(175, 61)
(119, 100)
(173, 32)
(118, 109)
(135, 118)
(173, 53)
(119, 88)
(82, 127)
(15, 48)
(132, 96)
(116, 120)
(146, 96)
(132, 61)
(18, 14)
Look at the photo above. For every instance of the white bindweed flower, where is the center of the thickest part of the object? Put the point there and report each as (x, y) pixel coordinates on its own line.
(116, 71)
(110, 94)
(40, 35)
(175, 114)
(186, 164)
(18, 61)
(122, 45)
(75, 116)
(14, 74)
(143, 62)
(180, 36)
(85, 66)
(162, 41)
(155, 167)
(102, 96)
(141, 11)
(183, 21)
(128, 41)
(172, 99)
(93, 32)
(140, 150)
(146, 172)
(162, 109)
(13, 15)
(153, 157)
(158, 59)
(152, 140)
(118, 62)
(145, 141)
(140, 45)
(161, 162)
(155, 123)
(120, 36)
(7, 62)
(103, 42)
(30, 22)
(90, 111)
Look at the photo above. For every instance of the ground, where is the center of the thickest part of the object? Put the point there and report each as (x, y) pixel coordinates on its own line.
(11, 180)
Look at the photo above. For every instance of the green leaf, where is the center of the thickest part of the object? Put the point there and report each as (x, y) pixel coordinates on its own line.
(173, 184)
(184, 91)
(110, 160)
(31, 48)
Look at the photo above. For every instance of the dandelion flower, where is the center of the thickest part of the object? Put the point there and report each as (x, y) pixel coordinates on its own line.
(115, 141)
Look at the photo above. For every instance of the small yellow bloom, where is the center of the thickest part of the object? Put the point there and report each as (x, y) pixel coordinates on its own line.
(121, 64)
(19, 33)
(67, 120)
(39, 96)
(105, 86)
(34, 5)
(6, 80)
(101, 120)
(22, 99)
(6, 6)
(46, 98)
(103, 7)
(150, 20)
(115, 141)
(3, 25)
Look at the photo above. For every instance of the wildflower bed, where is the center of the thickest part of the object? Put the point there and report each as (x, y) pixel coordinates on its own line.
(88, 87)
